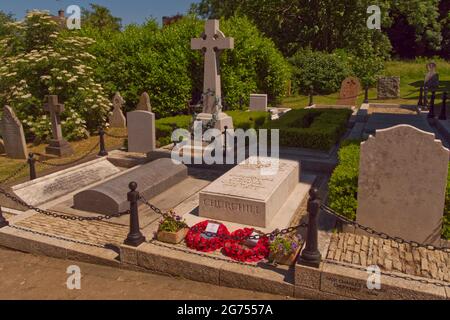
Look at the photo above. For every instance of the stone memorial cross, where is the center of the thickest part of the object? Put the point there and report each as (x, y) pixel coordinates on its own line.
(117, 119)
(58, 145)
(144, 103)
(212, 42)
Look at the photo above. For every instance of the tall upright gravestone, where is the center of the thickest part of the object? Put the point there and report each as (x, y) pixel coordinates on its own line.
(13, 135)
(58, 145)
(212, 43)
(402, 184)
(141, 127)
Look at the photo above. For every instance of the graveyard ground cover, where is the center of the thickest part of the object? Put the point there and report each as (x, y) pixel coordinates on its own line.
(411, 75)
(343, 186)
(8, 166)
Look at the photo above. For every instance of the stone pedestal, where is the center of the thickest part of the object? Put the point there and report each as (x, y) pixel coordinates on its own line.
(223, 120)
(60, 148)
(247, 194)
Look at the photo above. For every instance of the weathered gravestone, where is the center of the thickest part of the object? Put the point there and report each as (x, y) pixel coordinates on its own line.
(402, 183)
(58, 145)
(388, 88)
(144, 103)
(141, 130)
(348, 95)
(110, 197)
(350, 89)
(258, 102)
(212, 43)
(41, 190)
(13, 135)
(117, 119)
(246, 195)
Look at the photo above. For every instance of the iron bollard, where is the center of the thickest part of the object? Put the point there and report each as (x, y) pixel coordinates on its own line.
(420, 103)
(135, 237)
(32, 163)
(311, 96)
(431, 114)
(103, 151)
(310, 255)
(366, 94)
(225, 137)
(443, 115)
(3, 221)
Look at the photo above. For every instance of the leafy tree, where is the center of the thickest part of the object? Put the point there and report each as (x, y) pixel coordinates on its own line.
(326, 25)
(445, 22)
(101, 18)
(5, 20)
(41, 59)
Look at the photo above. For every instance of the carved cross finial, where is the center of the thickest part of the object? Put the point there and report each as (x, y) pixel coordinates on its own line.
(52, 105)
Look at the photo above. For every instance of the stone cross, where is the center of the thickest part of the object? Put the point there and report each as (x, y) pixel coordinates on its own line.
(212, 43)
(55, 110)
(58, 145)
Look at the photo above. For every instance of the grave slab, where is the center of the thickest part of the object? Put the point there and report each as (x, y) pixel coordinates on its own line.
(258, 102)
(55, 185)
(247, 195)
(110, 197)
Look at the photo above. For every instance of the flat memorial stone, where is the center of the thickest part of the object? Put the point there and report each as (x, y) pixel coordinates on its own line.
(110, 197)
(55, 185)
(244, 195)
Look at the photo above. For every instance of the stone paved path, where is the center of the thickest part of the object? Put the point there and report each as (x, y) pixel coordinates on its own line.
(389, 256)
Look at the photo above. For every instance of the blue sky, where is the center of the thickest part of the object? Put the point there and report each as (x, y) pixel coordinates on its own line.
(131, 11)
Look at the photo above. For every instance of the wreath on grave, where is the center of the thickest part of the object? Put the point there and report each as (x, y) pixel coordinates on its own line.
(237, 251)
(197, 239)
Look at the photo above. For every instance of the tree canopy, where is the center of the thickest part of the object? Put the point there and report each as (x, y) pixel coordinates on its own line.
(101, 18)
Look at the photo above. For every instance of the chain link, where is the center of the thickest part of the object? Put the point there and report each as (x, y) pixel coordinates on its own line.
(60, 216)
(392, 275)
(70, 162)
(115, 136)
(272, 234)
(15, 173)
(383, 235)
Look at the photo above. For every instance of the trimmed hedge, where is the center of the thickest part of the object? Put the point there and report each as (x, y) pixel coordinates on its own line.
(343, 186)
(242, 120)
(311, 128)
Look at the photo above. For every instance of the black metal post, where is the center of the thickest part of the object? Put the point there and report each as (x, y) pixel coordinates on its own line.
(311, 96)
(32, 163)
(431, 114)
(103, 152)
(420, 103)
(3, 221)
(366, 94)
(443, 115)
(225, 137)
(135, 237)
(311, 255)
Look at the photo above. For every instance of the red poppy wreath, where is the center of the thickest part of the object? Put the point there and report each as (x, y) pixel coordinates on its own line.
(236, 251)
(195, 239)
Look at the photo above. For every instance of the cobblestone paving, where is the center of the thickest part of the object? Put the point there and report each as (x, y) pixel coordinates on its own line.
(389, 256)
(96, 232)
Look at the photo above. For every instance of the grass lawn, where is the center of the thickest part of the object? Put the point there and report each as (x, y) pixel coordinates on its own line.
(8, 166)
(412, 74)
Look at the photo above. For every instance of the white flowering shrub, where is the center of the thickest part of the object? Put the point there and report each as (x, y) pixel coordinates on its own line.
(41, 58)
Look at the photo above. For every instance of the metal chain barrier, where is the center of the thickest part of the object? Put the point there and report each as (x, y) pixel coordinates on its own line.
(392, 275)
(115, 136)
(61, 216)
(225, 237)
(15, 173)
(57, 237)
(70, 162)
(382, 235)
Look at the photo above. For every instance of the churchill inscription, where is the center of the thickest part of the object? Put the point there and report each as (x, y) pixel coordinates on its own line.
(243, 195)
